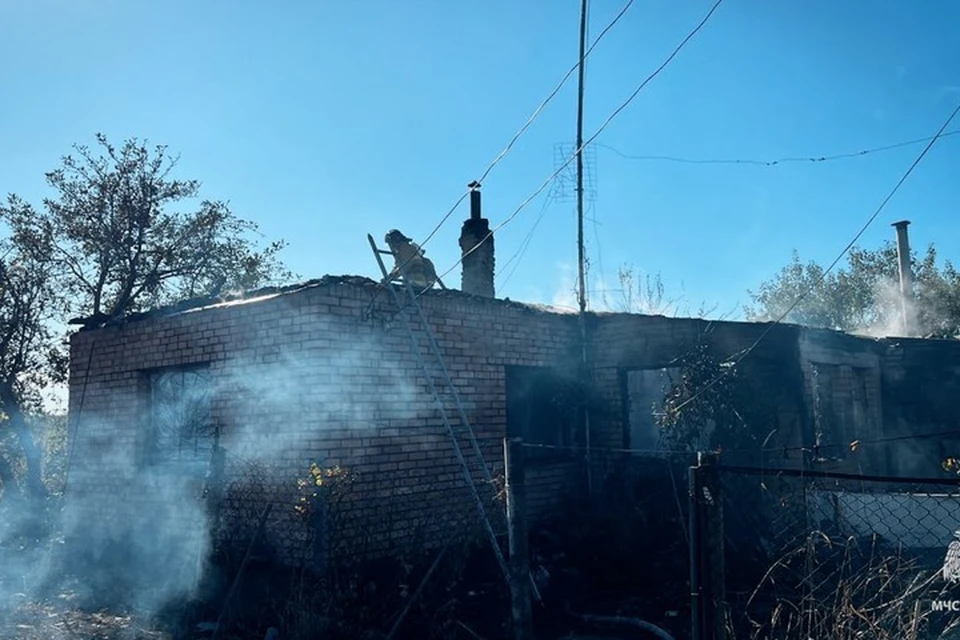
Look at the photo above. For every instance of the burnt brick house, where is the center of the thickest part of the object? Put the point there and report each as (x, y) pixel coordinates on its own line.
(323, 372)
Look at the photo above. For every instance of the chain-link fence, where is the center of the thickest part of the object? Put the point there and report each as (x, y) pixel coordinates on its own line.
(797, 554)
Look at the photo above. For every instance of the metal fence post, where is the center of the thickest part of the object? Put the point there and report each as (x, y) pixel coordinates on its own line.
(696, 555)
(521, 611)
(707, 571)
(713, 537)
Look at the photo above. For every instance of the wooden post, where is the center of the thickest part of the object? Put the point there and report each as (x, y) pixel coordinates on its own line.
(521, 611)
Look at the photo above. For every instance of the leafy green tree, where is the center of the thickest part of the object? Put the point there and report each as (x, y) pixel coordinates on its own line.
(863, 296)
(126, 238)
(29, 359)
(118, 234)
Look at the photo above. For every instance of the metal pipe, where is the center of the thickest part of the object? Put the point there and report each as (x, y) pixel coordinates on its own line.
(475, 211)
(633, 622)
(906, 278)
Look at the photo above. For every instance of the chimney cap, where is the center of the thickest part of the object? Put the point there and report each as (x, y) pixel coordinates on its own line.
(901, 223)
(473, 186)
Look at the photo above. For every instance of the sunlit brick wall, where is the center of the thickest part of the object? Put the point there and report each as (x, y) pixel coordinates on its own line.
(304, 377)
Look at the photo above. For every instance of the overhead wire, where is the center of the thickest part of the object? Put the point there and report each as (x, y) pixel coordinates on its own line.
(825, 272)
(854, 444)
(778, 161)
(590, 140)
(506, 150)
(517, 256)
(596, 236)
(530, 120)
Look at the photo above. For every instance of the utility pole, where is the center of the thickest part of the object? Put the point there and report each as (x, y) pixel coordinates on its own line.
(582, 294)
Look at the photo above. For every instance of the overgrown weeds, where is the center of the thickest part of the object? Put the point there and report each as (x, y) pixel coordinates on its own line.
(342, 583)
(843, 589)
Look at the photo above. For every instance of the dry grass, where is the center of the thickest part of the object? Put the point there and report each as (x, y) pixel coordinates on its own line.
(59, 620)
(844, 589)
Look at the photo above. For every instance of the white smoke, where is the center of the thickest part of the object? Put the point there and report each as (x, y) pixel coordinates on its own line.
(135, 536)
(924, 313)
(885, 317)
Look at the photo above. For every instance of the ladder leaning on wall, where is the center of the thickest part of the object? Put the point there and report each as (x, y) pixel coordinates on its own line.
(413, 302)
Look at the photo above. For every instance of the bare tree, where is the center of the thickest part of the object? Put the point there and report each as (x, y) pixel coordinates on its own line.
(646, 294)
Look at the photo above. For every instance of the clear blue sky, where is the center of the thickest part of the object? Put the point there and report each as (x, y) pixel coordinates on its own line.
(323, 121)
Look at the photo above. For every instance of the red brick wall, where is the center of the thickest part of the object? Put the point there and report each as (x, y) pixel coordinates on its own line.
(303, 377)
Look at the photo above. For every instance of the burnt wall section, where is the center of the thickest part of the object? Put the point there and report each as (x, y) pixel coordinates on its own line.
(921, 391)
(305, 376)
(302, 377)
(770, 380)
(843, 389)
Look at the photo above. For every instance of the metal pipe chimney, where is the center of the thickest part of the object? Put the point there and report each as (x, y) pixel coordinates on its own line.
(906, 278)
(475, 213)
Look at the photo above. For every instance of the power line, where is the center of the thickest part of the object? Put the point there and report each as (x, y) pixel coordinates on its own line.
(833, 264)
(521, 251)
(596, 235)
(532, 118)
(525, 244)
(520, 132)
(778, 161)
(586, 143)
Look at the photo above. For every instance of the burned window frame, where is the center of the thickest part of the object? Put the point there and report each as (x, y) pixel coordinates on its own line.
(672, 373)
(839, 419)
(202, 432)
(520, 381)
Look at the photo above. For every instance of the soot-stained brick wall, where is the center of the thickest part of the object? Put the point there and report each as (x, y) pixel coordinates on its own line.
(921, 391)
(302, 377)
(305, 375)
(842, 384)
(771, 375)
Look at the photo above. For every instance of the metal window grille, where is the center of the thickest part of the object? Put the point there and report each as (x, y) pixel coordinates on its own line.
(181, 427)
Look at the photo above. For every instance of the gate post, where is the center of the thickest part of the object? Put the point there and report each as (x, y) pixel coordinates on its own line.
(707, 571)
(716, 606)
(696, 552)
(521, 612)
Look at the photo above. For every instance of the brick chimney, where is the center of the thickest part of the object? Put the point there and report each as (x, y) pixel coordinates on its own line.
(478, 261)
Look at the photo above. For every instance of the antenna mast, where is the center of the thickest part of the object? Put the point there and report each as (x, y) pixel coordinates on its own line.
(582, 293)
